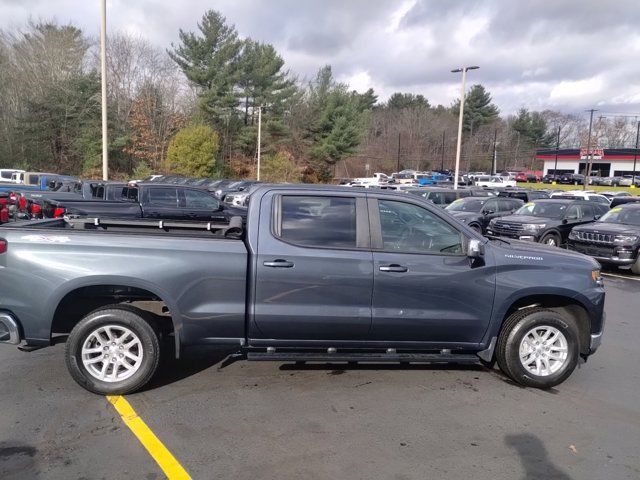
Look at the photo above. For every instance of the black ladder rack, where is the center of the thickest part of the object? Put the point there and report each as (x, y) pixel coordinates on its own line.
(233, 229)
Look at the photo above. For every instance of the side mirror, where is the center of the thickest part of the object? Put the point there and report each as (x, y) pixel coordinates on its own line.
(488, 212)
(475, 248)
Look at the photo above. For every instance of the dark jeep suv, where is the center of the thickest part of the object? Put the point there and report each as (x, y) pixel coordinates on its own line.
(614, 239)
(546, 221)
(477, 212)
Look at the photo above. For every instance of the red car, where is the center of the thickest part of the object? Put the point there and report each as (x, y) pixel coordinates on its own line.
(521, 177)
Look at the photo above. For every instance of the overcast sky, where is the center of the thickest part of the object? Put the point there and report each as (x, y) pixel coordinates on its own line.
(562, 54)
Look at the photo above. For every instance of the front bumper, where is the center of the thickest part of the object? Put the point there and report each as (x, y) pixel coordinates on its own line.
(596, 341)
(610, 254)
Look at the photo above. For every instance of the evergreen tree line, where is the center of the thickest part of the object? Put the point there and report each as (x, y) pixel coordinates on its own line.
(193, 110)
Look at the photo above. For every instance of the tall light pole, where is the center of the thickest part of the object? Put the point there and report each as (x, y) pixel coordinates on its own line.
(259, 139)
(589, 152)
(462, 92)
(635, 155)
(103, 78)
(555, 168)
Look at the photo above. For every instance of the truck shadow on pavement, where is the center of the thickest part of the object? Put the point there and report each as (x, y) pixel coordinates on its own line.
(192, 361)
(534, 457)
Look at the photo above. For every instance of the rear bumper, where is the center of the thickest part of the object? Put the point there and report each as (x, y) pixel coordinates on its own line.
(9, 329)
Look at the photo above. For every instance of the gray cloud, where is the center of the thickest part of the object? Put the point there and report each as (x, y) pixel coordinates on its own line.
(566, 54)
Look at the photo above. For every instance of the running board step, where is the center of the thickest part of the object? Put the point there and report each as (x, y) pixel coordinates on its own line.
(362, 357)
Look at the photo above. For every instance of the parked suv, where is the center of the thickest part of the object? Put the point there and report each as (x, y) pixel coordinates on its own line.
(614, 239)
(571, 179)
(440, 196)
(546, 221)
(524, 195)
(477, 212)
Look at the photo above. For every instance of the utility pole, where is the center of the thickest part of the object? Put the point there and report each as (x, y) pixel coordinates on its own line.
(398, 157)
(494, 160)
(442, 152)
(555, 167)
(515, 157)
(259, 140)
(635, 154)
(462, 92)
(589, 152)
(103, 75)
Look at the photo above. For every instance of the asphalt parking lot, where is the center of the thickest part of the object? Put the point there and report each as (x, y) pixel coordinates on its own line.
(270, 420)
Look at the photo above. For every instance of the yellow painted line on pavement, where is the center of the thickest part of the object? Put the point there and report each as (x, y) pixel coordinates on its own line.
(163, 457)
(620, 276)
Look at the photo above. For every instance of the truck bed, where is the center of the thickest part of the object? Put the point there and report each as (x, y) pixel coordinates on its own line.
(202, 278)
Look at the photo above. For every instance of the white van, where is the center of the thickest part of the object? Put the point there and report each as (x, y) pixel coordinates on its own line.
(6, 174)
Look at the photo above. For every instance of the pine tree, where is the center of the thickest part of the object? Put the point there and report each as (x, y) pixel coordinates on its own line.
(478, 109)
(211, 62)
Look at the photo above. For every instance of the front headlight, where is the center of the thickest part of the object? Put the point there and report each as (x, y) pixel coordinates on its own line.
(533, 227)
(573, 235)
(597, 278)
(622, 239)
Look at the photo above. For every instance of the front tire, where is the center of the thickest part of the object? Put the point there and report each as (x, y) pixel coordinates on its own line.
(538, 347)
(113, 351)
(635, 268)
(476, 227)
(551, 239)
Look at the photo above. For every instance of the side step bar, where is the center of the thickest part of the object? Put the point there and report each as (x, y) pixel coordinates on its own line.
(362, 357)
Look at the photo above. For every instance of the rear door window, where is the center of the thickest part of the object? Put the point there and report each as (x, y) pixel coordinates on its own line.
(327, 222)
(196, 199)
(163, 196)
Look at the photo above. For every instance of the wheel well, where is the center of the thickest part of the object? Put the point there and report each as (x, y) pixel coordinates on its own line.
(566, 307)
(78, 303)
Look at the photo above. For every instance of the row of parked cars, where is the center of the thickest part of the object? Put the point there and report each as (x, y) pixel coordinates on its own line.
(579, 179)
(606, 227)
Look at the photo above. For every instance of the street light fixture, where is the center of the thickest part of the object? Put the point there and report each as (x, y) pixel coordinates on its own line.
(464, 71)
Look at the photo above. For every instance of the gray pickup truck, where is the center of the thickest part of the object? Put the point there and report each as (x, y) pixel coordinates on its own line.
(318, 275)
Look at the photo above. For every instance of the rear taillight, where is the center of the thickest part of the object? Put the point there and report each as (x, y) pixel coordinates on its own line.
(58, 212)
(22, 203)
(3, 245)
(35, 209)
(4, 215)
(4, 201)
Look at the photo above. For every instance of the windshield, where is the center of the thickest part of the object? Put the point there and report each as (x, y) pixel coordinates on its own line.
(547, 210)
(627, 216)
(475, 205)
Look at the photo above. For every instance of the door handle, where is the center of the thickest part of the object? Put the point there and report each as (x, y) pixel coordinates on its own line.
(393, 268)
(279, 263)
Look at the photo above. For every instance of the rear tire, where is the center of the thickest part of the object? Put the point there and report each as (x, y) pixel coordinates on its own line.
(551, 239)
(538, 347)
(113, 350)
